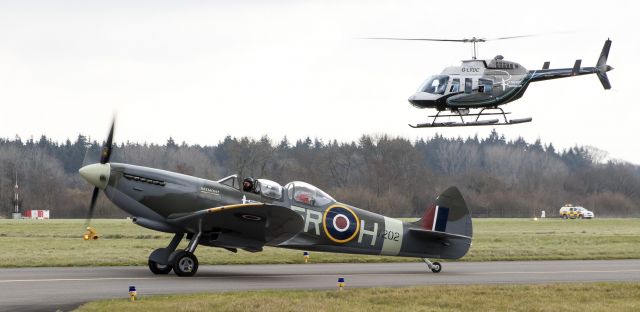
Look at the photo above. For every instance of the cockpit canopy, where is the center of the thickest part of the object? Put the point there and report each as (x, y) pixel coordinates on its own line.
(299, 192)
(305, 193)
(269, 188)
(435, 84)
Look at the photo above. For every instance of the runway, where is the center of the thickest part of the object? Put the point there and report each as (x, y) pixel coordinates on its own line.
(48, 289)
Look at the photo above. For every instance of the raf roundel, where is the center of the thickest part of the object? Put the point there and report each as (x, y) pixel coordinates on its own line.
(340, 224)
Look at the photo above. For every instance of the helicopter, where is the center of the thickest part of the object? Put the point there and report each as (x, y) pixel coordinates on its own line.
(484, 85)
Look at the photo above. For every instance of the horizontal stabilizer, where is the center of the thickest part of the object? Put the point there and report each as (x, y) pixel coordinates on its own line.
(436, 234)
(546, 65)
(576, 67)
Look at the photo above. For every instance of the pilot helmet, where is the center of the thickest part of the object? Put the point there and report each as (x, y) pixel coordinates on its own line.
(247, 184)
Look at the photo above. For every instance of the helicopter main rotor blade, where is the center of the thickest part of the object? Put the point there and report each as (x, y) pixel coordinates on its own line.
(511, 37)
(471, 40)
(421, 39)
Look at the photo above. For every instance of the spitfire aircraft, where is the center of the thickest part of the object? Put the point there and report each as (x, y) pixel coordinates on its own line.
(487, 84)
(246, 213)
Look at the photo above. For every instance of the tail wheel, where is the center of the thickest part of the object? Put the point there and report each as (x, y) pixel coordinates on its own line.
(158, 268)
(436, 267)
(185, 264)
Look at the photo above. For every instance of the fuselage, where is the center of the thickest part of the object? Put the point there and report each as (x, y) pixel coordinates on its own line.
(153, 196)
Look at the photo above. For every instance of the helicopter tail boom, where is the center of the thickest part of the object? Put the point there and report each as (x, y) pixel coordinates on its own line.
(600, 69)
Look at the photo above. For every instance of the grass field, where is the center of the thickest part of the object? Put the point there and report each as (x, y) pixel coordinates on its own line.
(28, 243)
(554, 297)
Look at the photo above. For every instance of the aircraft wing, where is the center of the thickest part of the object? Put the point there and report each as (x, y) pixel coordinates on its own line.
(242, 226)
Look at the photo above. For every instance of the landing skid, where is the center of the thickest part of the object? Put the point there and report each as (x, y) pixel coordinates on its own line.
(476, 122)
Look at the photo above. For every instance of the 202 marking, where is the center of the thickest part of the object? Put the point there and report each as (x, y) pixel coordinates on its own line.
(390, 235)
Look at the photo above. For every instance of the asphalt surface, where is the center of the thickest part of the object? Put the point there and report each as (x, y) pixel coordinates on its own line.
(50, 289)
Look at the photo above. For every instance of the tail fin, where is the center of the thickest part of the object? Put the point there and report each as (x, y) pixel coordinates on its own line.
(445, 230)
(602, 67)
(449, 214)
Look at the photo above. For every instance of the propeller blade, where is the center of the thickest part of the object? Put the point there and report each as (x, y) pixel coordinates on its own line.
(107, 148)
(92, 207)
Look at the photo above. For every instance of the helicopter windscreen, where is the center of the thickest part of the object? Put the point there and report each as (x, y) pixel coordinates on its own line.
(435, 84)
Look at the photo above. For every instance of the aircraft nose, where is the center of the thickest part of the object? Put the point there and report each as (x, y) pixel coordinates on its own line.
(96, 174)
(412, 99)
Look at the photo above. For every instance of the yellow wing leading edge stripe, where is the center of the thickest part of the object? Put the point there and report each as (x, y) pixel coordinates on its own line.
(223, 208)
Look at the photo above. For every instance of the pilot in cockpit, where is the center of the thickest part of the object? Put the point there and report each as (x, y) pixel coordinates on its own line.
(248, 184)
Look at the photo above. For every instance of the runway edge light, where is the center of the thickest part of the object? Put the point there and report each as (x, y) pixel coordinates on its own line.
(340, 283)
(305, 255)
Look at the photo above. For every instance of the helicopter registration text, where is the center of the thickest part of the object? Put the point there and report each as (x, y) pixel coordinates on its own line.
(470, 69)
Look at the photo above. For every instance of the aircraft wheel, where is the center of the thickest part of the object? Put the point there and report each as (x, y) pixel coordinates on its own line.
(436, 268)
(158, 268)
(185, 264)
(564, 217)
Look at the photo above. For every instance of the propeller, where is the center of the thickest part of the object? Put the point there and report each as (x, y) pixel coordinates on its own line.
(473, 40)
(96, 176)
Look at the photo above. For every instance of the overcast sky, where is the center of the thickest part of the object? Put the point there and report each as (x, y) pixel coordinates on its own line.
(201, 70)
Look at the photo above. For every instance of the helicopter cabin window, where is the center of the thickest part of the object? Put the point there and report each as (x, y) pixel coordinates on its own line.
(435, 84)
(485, 85)
(455, 85)
(468, 85)
(270, 189)
(308, 194)
(231, 181)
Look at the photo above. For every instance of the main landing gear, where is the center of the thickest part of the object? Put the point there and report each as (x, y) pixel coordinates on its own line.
(435, 267)
(182, 262)
(464, 112)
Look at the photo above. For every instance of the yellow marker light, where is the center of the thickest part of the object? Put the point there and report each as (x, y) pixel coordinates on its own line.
(90, 234)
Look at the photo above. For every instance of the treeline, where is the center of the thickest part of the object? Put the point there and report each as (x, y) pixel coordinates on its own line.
(393, 176)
